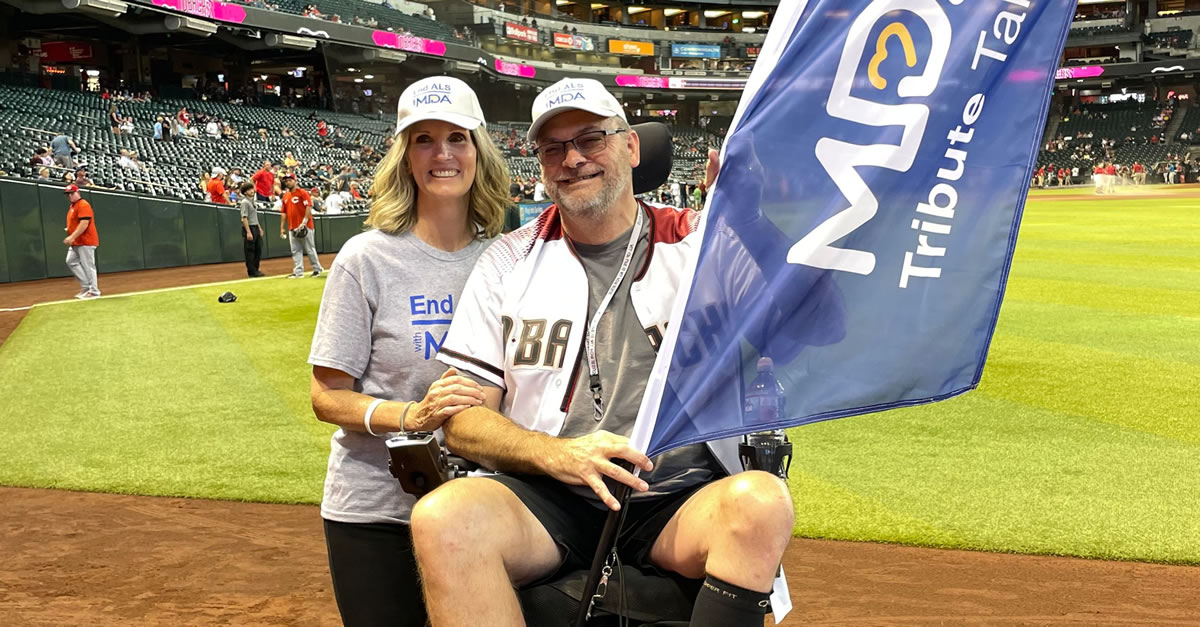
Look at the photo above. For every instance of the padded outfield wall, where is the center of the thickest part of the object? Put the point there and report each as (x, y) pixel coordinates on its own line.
(136, 232)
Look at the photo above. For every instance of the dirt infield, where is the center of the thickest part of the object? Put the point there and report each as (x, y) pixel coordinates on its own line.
(73, 558)
(69, 558)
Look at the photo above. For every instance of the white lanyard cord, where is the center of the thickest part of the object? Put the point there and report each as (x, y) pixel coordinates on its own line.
(590, 338)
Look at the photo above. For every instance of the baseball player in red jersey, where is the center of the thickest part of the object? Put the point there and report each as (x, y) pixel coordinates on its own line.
(82, 240)
(297, 227)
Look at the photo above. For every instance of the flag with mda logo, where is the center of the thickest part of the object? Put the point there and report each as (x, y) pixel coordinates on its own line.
(863, 222)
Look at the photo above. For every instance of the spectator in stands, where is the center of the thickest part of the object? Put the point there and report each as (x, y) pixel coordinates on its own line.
(124, 161)
(236, 178)
(114, 119)
(228, 131)
(539, 190)
(133, 158)
(127, 125)
(41, 158)
(158, 128)
(515, 189)
(354, 191)
(44, 175)
(216, 187)
(286, 132)
(82, 179)
(213, 128)
(289, 161)
(322, 129)
(334, 202)
(64, 149)
(264, 182)
(183, 117)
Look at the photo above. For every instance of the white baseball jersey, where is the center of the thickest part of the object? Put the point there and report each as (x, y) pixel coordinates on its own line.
(522, 317)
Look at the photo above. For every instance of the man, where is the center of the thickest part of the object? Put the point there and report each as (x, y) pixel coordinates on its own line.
(82, 240)
(63, 148)
(264, 182)
(539, 190)
(298, 220)
(519, 331)
(82, 179)
(252, 245)
(216, 187)
(335, 202)
(1110, 178)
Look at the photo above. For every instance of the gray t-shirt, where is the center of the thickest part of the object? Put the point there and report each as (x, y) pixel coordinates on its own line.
(625, 356)
(386, 309)
(249, 210)
(61, 145)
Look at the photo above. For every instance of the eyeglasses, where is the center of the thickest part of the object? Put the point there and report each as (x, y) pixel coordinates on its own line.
(589, 143)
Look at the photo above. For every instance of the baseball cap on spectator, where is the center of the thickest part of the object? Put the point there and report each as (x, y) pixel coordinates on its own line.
(585, 94)
(218, 171)
(439, 98)
(70, 189)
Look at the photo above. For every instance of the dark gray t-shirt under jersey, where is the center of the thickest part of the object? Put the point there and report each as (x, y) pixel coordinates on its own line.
(625, 357)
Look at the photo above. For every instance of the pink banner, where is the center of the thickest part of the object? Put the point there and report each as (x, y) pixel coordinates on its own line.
(223, 11)
(409, 43)
(515, 69)
(1082, 71)
(653, 82)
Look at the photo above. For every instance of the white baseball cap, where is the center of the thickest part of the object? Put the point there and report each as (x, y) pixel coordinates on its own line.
(439, 98)
(218, 171)
(585, 94)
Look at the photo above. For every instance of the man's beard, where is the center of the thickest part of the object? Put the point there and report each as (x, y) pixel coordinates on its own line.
(615, 179)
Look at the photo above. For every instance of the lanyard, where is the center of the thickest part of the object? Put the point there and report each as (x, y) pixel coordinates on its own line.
(590, 338)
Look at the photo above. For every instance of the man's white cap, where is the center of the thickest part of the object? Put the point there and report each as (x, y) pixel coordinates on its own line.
(568, 94)
(218, 171)
(439, 98)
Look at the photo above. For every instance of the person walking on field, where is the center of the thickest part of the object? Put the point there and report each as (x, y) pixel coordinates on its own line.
(82, 240)
(298, 222)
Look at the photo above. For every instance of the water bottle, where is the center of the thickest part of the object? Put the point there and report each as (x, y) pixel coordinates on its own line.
(765, 399)
(765, 402)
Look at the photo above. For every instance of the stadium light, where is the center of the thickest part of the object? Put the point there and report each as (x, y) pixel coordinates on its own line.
(110, 7)
(181, 24)
(358, 80)
(277, 40)
(369, 76)
(715, 13)
(635, 10)
(350, 69)
(753, 15)
(671, 12)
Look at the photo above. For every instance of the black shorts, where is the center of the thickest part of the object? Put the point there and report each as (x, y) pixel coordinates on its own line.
(575, 522)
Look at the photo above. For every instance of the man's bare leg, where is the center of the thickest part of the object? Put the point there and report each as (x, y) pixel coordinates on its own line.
(475, 541)
(735, 529)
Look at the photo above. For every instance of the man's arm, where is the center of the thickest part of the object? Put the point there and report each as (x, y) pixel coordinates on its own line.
(485, 436)
(83, 225)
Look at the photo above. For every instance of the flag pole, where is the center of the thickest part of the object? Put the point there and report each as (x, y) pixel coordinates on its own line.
(605, 545)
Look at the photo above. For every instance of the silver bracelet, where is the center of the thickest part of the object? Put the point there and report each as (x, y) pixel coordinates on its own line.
(367, 417)
(405, 415)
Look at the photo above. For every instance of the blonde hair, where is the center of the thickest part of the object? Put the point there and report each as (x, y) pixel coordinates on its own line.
(393, 209)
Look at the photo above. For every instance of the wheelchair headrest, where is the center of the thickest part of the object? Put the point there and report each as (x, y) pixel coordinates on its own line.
(657, 150)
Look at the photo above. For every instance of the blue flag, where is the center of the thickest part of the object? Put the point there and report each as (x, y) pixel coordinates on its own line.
(861, 228)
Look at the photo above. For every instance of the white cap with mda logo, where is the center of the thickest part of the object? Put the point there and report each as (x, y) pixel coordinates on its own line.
(439, 98)
(573, 93)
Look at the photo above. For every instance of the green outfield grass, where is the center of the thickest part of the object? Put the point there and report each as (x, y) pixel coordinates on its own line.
(1083, 438)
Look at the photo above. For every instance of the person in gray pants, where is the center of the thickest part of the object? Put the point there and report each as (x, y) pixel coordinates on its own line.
(81, 241)
(298, 223)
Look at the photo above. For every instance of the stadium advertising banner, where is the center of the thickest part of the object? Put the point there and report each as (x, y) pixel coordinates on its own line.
(65, 51)
(861, 256)
(696, 51)
(574, 42)
(515, 69)
(620, 46)
(753, 51)
(674, 82)
(520, 33)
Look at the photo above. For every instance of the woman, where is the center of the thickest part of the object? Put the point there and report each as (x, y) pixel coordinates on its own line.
(440, 195)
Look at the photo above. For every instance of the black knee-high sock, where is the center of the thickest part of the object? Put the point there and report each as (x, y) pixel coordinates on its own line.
(722, 604)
